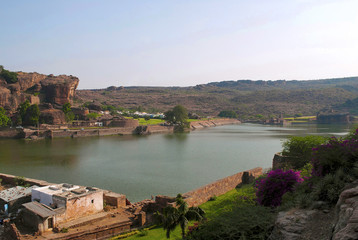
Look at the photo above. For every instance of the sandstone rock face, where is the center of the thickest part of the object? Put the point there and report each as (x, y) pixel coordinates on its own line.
(346, 227)
(57, 90)
(52, 116)
(291, 224)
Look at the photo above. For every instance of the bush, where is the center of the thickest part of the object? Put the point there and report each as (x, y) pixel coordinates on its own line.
(20, 181)
(228, 114)
(336, 154)
(4, 119)
(242, 222)
(299, 149)
(271, 188)
(10, 77)
(93, 115)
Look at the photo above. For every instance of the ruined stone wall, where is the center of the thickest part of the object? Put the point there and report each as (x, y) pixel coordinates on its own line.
(219, 187)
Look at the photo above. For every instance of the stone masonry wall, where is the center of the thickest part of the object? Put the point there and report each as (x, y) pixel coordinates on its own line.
(219, 187)
(11, 179)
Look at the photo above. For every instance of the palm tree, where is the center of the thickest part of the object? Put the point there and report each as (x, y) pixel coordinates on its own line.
(179, 215)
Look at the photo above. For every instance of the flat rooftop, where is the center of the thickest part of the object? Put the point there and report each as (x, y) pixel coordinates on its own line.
(14, 193)
(66, 190)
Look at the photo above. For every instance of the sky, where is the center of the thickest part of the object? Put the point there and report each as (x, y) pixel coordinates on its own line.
(180, 42)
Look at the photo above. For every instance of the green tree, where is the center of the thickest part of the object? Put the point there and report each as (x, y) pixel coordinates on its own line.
(93, 115)
(228, 114)
(179, 114)
(32, 115)
(66, 107)
(4, 119)
(23, 108)
(171, 216)
(10, 77)
(69, 115)
(300, 149)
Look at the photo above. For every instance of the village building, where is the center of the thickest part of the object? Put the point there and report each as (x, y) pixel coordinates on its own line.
(14, 197)
(55, 204)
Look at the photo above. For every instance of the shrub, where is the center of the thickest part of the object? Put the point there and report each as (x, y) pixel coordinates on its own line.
(228, 114)
(213, 198)
(93, 115)
(10, 77)
(4, 119)
(271, 188)
(242, 222)
(20, 181)
(142, 233)
(300, 149)
(336, 154)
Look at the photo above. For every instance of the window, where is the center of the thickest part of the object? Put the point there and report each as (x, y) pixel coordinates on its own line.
(92, 201)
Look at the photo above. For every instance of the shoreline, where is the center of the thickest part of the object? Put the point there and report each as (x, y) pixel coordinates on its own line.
(34, 134)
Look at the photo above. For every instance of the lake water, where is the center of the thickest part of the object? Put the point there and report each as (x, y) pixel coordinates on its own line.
(141, 166)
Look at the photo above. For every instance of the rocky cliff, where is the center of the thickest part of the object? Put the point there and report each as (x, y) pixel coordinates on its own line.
(37, 88)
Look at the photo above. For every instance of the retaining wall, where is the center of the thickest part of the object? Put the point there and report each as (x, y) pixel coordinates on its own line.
(219, 187)
(11, 179)
(213, 123)
(11, 133)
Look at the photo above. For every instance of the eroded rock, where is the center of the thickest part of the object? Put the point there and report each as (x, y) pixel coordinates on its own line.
(346, 227)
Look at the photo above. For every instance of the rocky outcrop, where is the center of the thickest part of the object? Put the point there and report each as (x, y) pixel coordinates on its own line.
(52, 116)
(346, 227)
(59, 90)
(37, 88)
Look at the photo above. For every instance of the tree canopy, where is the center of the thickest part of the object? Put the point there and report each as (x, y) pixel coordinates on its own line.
(29, 114)
(32, 115)
(69, 115)
(228, 114)
(4, 119)
(171, 216)
(10, 77)
(179, 115)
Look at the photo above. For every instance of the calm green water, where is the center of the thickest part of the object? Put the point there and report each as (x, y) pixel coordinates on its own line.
(150, 165)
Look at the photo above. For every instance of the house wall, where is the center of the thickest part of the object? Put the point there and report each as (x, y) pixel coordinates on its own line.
(83, 205)
(43, 197)
(114, 199)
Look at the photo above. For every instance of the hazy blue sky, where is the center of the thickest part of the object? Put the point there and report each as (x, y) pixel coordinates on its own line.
(180, 43)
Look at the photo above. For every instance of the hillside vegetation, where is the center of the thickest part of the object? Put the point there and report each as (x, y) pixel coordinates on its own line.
(246, 97)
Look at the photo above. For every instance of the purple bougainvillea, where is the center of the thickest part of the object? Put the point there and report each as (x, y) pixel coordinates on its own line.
(271, 188)
(334, 155)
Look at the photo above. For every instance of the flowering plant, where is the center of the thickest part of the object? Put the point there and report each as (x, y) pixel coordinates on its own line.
(271, 188)
(334, 155)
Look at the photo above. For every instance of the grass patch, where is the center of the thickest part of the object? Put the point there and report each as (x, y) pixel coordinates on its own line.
(214, 209)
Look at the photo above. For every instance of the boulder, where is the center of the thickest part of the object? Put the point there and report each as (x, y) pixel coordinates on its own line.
(346, 226)
(52, 116)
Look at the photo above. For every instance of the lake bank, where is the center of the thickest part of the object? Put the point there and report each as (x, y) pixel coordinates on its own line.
(34, 133)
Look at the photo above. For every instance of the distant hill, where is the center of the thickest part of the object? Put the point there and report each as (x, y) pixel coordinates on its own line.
(246, 97)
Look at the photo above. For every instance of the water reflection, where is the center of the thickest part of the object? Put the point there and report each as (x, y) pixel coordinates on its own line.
(141, 166)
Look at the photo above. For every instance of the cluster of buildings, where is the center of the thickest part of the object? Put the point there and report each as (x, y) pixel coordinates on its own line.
(45, 207)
